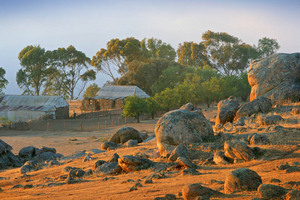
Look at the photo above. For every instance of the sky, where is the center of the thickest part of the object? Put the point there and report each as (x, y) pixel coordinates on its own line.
(89, 24)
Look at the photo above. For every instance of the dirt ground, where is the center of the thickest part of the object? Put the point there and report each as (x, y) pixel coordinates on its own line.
(48, 185)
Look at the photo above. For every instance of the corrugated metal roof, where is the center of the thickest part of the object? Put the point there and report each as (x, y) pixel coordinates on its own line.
(120, 92)
(31, 103)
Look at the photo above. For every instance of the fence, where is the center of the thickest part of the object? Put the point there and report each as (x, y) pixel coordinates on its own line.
(92, 122)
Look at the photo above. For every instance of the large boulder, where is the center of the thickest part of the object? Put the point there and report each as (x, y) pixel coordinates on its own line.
(226, 111)
(7, 158)
(259, 105)
(237, 149)
(242, 179)
(269, 191)
(276, 77)
(124, 134)
(181, 126)
(191, 191)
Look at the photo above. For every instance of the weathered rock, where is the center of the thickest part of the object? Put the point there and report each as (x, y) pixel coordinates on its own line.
(27, 168)
(98, 163)
(242, 179)
(188, 107)
(257, 139)
(45, 149)
(107, 145)
(87, 158)
(183, 162)
(240, 121)
(270, 120)
(269, 191)
(190, 171)
(131, 143)
(109, 168)
(181, 126)
(276, 77)
(258, 105)
(238, 150)
(226, 111)
(221, 159)
(114, 158)
(132, 163)
(295, 111)
(191, 191)
(45, 156)
(179, 151)
(293, 195)
(76, 173)
(124, 134)
(28, 152)
(7, 158)
(143, 137)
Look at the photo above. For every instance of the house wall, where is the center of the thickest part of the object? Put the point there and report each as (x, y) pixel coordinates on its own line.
(107, 104)
(62, 112)
(23, 116)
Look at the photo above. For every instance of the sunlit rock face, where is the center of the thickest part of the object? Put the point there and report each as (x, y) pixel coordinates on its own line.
(181, 126)
(276, 77)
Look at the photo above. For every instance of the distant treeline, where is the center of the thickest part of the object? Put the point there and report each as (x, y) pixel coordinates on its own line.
(210, 70)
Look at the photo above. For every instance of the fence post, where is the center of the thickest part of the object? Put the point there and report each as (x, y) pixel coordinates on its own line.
(64, 125)
(112, 122)
(48, 126)
(105, 123)
(81, 126)
(98, 126)
(118, 120)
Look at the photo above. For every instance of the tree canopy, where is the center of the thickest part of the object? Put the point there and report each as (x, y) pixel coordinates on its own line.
(135, 107)
(267, 47)
(33, 75)
(91, 91)
(3, 81)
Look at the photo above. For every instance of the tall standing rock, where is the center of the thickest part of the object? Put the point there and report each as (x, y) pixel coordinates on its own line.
(226, 111)
(276, 77)
(181, 126)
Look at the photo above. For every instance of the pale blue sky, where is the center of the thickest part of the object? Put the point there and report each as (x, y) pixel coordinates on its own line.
(89, 24)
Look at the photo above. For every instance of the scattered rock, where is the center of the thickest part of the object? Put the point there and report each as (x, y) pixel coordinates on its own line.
(179, 151)
(98, 163)
(28, 152)
(275, 77)
(148, 181)
(131, 143)
(132, 188)
(221, 159)
(226, 111)
(143, 137)
(114, 158)
(191, 191)
(257, 139)
(275, 180)
(242, 179)
(188, 107)
(7, 158)
(190, 171)
(170, 196)
(132, 163)
(107, 145)
(138, 185)
(181, 126)
(238, 150)
(269, 191)
(295, 111)
(240, 121)
(27, 168)
(258, 105)
(109, 168)
(17, 186)
(124, 134)
(27, 186)
(183, 162)
(270, 120)
(87, 158)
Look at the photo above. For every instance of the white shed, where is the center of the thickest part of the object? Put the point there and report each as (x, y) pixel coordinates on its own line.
(23, 108)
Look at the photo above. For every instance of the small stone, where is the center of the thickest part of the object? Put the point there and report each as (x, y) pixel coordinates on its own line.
(170, 197)
(27, 186)
(148, 181)
(275, 180)
(132, 189)
(138, 185)
(269, 191)
(87, 158)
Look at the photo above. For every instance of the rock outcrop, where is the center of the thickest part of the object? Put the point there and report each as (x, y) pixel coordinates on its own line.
(276, 77)
(192, 191)
(238, 150)
(226, 111)
(181, 126)
(258, 105)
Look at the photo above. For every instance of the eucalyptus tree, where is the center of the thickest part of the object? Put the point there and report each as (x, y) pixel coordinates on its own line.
(34, 69)
(70, 71)
(3, 81)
